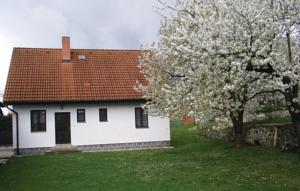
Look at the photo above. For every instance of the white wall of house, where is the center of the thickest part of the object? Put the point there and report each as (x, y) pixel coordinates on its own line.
(120, 127)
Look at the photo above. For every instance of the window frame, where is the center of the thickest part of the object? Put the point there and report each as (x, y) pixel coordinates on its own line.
(142, 117)
(41, 127)
(81, 121)
(103, 109)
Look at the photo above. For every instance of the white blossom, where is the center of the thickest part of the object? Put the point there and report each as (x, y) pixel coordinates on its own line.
(214, 58)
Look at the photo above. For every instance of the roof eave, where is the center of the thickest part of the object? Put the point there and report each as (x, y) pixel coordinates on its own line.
(27, 102)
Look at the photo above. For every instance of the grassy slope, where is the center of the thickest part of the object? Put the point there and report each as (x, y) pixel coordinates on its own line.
(194, 164)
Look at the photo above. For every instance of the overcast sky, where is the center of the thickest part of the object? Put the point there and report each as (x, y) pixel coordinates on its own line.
(114, 24)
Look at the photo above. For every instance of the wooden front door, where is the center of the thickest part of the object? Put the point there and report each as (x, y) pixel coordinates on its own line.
(62, 128)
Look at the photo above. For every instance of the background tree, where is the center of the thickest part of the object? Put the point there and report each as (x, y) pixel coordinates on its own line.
(1, 97)
(285, 67)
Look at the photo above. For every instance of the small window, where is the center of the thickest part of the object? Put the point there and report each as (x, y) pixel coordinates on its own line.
(81, 57)
(103, 114)
(38, 120)
(141, 118)
(80, 115)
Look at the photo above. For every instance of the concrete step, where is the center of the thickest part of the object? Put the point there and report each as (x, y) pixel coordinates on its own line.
(6, 152)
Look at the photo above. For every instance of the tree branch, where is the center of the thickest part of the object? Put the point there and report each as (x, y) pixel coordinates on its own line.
(267, 92)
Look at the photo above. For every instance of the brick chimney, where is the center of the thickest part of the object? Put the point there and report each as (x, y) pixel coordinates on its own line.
(65, 51)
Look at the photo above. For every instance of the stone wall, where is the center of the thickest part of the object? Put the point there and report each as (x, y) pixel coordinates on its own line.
(280, 135)
(272, 135)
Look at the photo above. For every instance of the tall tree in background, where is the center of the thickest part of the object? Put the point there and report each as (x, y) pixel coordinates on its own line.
(212, 59)
(1, 97)
(286, 66)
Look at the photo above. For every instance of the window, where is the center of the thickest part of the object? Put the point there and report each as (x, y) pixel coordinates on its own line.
(38, 120)
(80, 115)
(141, 118)
(103, 114)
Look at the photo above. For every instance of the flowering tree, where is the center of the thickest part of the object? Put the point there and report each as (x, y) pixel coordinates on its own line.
(213, 58)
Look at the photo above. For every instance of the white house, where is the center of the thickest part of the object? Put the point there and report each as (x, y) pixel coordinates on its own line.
(80, 97)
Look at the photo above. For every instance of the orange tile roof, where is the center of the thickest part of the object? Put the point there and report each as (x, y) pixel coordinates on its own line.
(39, 75)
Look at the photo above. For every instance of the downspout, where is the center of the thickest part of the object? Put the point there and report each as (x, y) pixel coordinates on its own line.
(17, 128)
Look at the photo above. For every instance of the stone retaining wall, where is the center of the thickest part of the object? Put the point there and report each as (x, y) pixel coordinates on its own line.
(268, 135)
(272, 135)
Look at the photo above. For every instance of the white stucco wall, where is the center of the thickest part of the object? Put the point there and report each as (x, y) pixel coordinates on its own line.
(120, 127)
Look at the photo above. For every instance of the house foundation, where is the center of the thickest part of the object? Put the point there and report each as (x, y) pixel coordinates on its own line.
(102, 147)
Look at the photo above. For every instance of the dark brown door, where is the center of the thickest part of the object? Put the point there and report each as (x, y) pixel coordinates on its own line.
(62, 128)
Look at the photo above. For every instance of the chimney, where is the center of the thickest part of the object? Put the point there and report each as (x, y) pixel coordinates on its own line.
(65, 51)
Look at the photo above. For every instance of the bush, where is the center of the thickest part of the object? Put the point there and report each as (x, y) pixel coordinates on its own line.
(176, 123)
(265, 109)
(6, 122)
(6, 130)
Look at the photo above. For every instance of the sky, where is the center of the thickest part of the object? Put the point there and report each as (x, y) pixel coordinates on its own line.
(91, 24)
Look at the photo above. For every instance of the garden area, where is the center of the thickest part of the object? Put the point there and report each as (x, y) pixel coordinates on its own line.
(195, 163)
(232, 66)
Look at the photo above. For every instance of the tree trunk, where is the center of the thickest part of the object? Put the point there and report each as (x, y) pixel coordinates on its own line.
(238, 127)
(296, 123)
(294, 107)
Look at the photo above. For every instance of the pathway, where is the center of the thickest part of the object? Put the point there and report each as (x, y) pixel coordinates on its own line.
(5, 153)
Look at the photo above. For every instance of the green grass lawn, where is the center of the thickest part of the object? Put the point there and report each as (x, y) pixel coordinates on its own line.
(194, 164)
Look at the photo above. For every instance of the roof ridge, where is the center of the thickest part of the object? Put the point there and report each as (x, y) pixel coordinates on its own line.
(101, 49)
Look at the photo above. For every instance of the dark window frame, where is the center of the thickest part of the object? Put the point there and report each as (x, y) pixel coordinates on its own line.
(41, 126)
(105, 118)
(78, 118)
(142, 116)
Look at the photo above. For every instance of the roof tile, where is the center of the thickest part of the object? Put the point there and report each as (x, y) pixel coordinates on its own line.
(40, 75)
